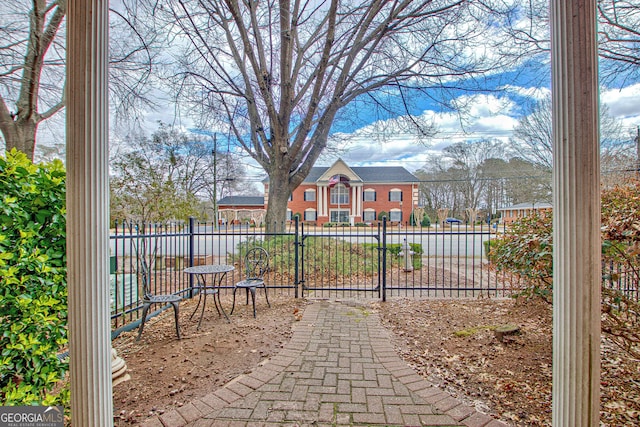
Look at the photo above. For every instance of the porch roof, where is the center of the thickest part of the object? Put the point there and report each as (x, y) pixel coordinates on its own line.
(241, 201)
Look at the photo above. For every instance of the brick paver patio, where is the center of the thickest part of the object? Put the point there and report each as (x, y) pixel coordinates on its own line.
(339, 369)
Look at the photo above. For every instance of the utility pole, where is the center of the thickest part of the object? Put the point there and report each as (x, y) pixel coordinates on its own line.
(215, 182)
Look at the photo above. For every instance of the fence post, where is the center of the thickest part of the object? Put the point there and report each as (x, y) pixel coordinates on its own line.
(384, 259)
(296, 256)
(191, 249)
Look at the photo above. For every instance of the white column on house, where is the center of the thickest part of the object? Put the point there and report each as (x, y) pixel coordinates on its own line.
(325, 191)
(88, 213)
(354, 200)
(359, 201)
(319, 200)
(576, 214)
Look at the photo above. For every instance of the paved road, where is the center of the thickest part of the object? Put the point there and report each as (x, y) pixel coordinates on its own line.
(339, 369)
(446, 243)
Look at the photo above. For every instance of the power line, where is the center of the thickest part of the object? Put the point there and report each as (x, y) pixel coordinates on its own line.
(482, 179)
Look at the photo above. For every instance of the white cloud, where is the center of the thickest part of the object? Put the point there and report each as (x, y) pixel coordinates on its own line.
(623, 104)
(484, 117)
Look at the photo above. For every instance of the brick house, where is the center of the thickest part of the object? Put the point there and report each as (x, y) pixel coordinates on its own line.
(340, 193)
(512, 213)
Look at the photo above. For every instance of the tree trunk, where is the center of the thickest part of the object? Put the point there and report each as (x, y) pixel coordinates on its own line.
(21, 135)
(278, 196)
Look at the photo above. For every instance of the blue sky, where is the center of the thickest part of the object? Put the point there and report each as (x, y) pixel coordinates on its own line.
(491, 115)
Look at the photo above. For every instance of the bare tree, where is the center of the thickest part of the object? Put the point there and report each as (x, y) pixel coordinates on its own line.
(437, 187)
(168, 175)
(532, 136)
(281, 73)
(467, 160)
(618, 42)
(483, 181)
(523, 181)
(32, 69)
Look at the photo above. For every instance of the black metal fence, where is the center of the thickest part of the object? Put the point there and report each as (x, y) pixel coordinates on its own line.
(339, 261)
(380, 261)
(165, 250)
(399, 261)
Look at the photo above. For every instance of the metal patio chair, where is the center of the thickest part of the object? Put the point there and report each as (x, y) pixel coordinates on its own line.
(148, 299)
(256, 264)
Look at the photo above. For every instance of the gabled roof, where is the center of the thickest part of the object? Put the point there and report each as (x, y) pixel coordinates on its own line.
(369, 174)
(241, 201)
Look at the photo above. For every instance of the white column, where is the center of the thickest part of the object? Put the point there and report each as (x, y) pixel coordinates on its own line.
(576, 214)
(354, 200)
(88, 213)
(325, 191)
(319, 203)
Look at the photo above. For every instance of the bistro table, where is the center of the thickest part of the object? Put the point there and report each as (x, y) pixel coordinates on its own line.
(218, 271)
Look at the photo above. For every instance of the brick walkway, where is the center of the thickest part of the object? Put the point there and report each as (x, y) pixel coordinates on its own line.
(339, 369)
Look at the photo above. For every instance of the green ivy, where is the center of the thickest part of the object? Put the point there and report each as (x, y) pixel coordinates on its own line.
(33, 291)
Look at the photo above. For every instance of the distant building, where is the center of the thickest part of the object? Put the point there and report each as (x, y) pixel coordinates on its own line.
(337, 193)
(241, 209)
(521, 210)
(340, 193)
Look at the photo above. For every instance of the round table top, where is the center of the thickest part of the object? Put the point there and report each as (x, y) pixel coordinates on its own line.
(209, 269)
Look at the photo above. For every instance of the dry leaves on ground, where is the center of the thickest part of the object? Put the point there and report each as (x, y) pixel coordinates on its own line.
(450, 342)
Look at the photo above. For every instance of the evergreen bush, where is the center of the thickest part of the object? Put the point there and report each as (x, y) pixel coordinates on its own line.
(33, 287)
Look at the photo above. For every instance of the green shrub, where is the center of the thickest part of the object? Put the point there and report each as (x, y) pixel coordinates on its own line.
(382, 214)
(32, 282)
(424, 222)
(527, 251)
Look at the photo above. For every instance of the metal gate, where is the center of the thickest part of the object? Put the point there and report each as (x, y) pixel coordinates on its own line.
(395, 260)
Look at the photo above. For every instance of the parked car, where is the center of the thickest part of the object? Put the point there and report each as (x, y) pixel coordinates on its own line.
(453, 221)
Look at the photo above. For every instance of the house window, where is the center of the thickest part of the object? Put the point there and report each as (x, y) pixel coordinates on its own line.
(310, 215)
(395, 215)
(339, 195)
(289, 215)
(310, 195)
(369, 215)
(395, 196)
(339, 215)
(369, 195)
